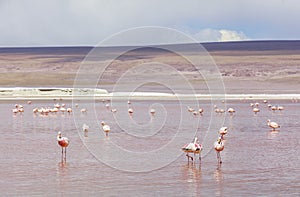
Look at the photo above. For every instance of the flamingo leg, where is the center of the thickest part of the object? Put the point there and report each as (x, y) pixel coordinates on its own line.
(62, 154)
(219, 157)
(188, 156)
(65, 154)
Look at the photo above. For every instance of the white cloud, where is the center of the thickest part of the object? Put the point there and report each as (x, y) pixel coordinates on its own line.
(229, 35)
(223, 35)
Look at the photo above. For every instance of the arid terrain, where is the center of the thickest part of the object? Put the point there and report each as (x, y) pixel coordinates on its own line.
(245, 67)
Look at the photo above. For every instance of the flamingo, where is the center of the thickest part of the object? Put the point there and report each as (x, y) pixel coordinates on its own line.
(105, 128)
(130, 111)
(28, 102)
(201, 111)
(62, 109)
(255, 110)
(54, 110)
(219, 146)
(193, 147)
(265, 101)
(231, 111)
(190, 109)
(223, 131)
(21, 109)
(195, 113)
(128, 102)
(35, 110)
(64, 143)
(113, 110)
(274, 108)
(69, 110)
(280, 108)
(85, 129)
(152, 111)
(83, 110)
(15, 111)
(273, 125)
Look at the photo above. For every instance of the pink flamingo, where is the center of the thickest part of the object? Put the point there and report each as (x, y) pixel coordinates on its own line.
(83, 110)
(219, 146)
(193, 147)
(69, 110)
(152, 112)
(273, 125)
(231, 111)
(130, 111)
(223, 131)
(201, 111)
(255, 110)
(105, 128)
(64, 143)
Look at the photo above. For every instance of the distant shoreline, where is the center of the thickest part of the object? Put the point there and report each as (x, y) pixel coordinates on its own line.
(22, 93)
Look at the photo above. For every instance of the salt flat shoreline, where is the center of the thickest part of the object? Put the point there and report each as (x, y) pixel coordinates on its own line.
(20, 93)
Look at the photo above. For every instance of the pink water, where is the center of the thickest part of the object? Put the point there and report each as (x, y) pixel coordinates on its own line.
(256, 162)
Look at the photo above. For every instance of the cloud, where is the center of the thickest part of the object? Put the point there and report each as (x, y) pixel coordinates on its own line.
(229, 35)
(223, 35)
(77, 22)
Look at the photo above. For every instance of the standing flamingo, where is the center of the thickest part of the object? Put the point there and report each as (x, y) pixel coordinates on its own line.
(130, 111)
(69, 110)
(85, 129)
(255, 110)
(193, 147)
(273, 125)
(231, 111)
(223, 131)
(152, 111)
(201, 111)
(83, 110)
(190, 109)
(113, 110)
(105, 128)
(280, 108)
(219, 146)
(64, 143)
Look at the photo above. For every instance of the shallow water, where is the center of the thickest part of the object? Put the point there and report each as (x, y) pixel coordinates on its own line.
(256, 161)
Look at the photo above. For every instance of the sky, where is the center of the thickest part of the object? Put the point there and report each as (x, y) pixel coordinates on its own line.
(86, 23)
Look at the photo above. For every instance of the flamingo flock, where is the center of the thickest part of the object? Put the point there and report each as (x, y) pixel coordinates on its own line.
(193, 147)
(219, 143)
(196, 148)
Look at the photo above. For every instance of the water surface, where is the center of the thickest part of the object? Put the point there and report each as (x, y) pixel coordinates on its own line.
(256, 161)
